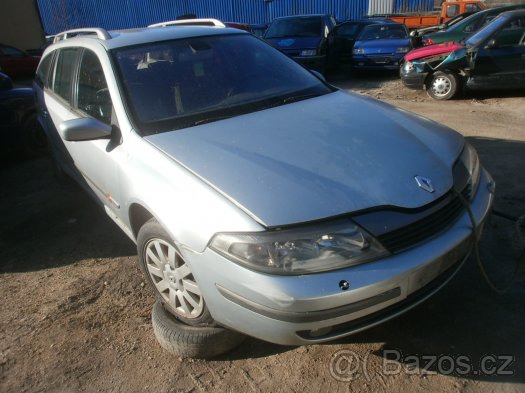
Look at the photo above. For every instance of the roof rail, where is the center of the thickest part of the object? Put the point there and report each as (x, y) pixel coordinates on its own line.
(98, 31)
(190, 22)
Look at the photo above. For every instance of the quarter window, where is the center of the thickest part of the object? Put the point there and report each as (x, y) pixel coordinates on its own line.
(43, 70)
(92, 93)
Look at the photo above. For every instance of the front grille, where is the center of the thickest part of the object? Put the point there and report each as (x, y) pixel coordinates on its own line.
(426, 227)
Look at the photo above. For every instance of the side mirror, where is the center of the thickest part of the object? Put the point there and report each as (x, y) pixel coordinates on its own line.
(414, 33)
(84, 129)
(490, 44)
(5, 82)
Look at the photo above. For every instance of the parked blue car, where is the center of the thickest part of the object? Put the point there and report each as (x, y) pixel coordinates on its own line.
(302, 37)
(381, 46)
(19, 128)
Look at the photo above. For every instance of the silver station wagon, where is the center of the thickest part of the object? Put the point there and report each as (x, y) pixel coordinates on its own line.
(262, 200)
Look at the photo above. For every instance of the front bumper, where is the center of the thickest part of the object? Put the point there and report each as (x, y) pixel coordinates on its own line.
(297, 310)
(413, 79)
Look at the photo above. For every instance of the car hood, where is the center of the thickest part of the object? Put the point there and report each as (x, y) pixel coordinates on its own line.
(432, 50)
(318, 158)
(382, 46)
(294, 42)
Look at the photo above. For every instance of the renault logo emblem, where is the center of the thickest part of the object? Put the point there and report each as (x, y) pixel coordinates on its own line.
(425, 183)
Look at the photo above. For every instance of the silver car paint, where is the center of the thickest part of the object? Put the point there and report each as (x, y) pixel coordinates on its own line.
(193, 203)
(330, 153)
(409, 271)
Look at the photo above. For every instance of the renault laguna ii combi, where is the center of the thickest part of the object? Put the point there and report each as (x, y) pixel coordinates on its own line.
(262, 199)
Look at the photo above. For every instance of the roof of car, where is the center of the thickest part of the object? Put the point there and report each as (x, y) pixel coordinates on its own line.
(124, 38)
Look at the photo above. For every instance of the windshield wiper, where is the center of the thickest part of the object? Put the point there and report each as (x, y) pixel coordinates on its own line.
(300, 97)
(211, 119)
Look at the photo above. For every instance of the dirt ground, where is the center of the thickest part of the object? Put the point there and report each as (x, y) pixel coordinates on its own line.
(75, 314)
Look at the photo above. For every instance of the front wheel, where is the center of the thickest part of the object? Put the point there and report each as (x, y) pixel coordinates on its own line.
(443, 85)
(171, 277)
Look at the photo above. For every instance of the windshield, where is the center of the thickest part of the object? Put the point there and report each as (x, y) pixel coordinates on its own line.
(182, 83)
(486, 32)
(381, 32)
(301, 26)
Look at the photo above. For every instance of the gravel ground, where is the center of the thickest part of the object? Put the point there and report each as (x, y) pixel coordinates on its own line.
(75, 313)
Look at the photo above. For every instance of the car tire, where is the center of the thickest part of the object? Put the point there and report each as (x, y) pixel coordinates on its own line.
(443, 85)
(191, 341)
(170, 276)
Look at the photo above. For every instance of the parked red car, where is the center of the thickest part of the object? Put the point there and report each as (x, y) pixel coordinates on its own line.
(16, 62)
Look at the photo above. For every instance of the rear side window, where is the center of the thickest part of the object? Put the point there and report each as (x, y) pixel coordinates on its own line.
(64, 72)
(43, 71)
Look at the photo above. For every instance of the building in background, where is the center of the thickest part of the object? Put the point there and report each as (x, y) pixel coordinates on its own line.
(60, 15)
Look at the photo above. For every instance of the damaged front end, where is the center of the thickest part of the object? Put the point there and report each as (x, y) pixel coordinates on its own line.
(415, 70)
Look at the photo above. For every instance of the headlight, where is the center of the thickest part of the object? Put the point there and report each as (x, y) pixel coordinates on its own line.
(469, 158)
(300, 251)
(308, 52)
(403, 49)
(408, 66)
(358, 51)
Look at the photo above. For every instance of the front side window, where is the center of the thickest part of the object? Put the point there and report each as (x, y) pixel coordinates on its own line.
(92, 92)
(64, 73)
(181, 83)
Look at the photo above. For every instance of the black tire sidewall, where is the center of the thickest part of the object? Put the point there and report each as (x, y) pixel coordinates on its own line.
(191, 341)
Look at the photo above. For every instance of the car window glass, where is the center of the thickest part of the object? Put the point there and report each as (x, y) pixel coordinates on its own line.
(347, 30)
(472, 8)
(179, 83)
(43, 70)
(64, 72)
(452, 10)
(383, 31)
(304, 26)
(92, 91)
(512, 34)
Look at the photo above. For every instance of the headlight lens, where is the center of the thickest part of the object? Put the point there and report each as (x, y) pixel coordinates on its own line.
(403, 49)
(408, 66)
(308, 52)
(469, 158)
(358, 51)
(300, 251)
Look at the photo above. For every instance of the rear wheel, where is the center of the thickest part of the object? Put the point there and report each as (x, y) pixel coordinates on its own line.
(443, 85)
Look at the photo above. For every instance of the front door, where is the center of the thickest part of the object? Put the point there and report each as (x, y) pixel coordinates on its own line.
(501, 63)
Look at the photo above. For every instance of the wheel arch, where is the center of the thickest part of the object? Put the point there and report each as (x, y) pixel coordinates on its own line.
(138, 216)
